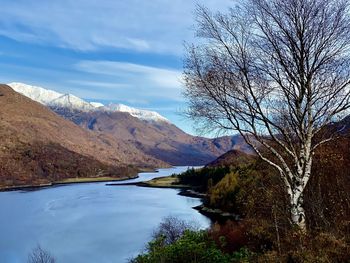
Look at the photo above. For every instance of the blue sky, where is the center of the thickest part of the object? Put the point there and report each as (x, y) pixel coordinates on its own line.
(127, 51)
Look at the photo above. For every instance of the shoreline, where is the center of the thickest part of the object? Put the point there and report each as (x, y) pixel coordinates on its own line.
(83, 180)
(169, 182)
(214, 214)
(74, 180)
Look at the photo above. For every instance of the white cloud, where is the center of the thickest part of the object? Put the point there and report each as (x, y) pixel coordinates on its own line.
(157, 77)
(155, 26)
(98, 84)
(135, 82)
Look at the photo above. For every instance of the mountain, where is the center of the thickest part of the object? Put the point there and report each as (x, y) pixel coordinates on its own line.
(38, 94)
(161, 140)
(232, 158)
(141, 130)
(57, 100)
(37, 146)
(140, 114)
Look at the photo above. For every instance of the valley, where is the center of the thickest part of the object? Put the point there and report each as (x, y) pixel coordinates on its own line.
(49, 137)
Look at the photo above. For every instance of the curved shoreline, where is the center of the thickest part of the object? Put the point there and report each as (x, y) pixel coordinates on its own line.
(67, 182)
(170, 182)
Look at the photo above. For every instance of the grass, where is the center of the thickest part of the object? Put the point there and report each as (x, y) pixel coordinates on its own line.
(90, 179)
(165, 182)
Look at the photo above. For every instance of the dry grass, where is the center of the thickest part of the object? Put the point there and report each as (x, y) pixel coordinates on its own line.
(166, 182)
(91, 179)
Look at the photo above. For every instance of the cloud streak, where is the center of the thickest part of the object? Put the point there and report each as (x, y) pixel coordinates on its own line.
(155, 26)
(98, 84)
(134, 73)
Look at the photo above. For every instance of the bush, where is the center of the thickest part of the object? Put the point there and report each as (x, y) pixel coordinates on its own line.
(230, 237)
(171, 229)
(191, 246)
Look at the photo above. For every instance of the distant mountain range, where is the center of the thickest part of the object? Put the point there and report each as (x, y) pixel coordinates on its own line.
(146, 131)
(47, 136)
(38, 146)
(56, 100)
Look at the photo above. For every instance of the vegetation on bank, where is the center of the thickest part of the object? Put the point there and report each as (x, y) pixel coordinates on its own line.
(177, 241)
(45, 164)
(171, 181)
(92, 179)
(265, 232)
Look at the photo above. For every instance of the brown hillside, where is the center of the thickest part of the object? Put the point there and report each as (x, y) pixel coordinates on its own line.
(232, 158)
(161, 140)
(33, 139)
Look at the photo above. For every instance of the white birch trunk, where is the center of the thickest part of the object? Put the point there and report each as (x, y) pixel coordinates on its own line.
(296, 192)
(298, 213)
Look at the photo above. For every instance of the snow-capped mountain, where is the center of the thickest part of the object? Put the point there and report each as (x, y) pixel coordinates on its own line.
(96, 104)
(41, 95)
(72, 102)
(51, 98)
(140, 114)
(55, 99)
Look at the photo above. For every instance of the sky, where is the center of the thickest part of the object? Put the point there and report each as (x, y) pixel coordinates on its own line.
(121, 51)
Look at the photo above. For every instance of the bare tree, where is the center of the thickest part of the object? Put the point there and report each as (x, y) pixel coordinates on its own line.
(172, 228)
(277, 72)
(39, 255)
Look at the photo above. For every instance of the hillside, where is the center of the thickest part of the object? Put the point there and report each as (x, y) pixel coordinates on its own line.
(37, 145)
(142, 131)
(160, 139)
(232, 158)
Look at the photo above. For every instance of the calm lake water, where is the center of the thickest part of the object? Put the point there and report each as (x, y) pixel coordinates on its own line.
(89, 222)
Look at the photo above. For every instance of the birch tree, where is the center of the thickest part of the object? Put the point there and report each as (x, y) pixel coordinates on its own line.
(277, 72)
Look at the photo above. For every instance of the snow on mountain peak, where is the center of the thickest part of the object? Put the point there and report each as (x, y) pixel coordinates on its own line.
(96, 104)
(72, 102)
(41, 95)
(51, 98)
(58, 100)
(140, 114)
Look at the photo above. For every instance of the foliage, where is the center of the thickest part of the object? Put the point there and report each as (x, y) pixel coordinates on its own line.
(173, 243)
(256, 192)
(193, 246)
(222, 195)
(230, 236)
(199, 178)
(171, 229)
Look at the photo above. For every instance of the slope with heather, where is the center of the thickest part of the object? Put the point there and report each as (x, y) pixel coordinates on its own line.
(160, 139)
(141, 130)
(39, 146)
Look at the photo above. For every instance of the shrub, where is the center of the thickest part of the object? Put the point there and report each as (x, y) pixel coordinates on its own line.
(171, 229)
(191, 246)
(230, 236)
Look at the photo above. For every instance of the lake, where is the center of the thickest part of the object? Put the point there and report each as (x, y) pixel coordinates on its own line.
(89, 222)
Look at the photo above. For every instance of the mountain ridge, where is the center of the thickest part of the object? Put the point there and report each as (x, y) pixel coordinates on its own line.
(54, 99)
(142, 131)
(39, 145)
